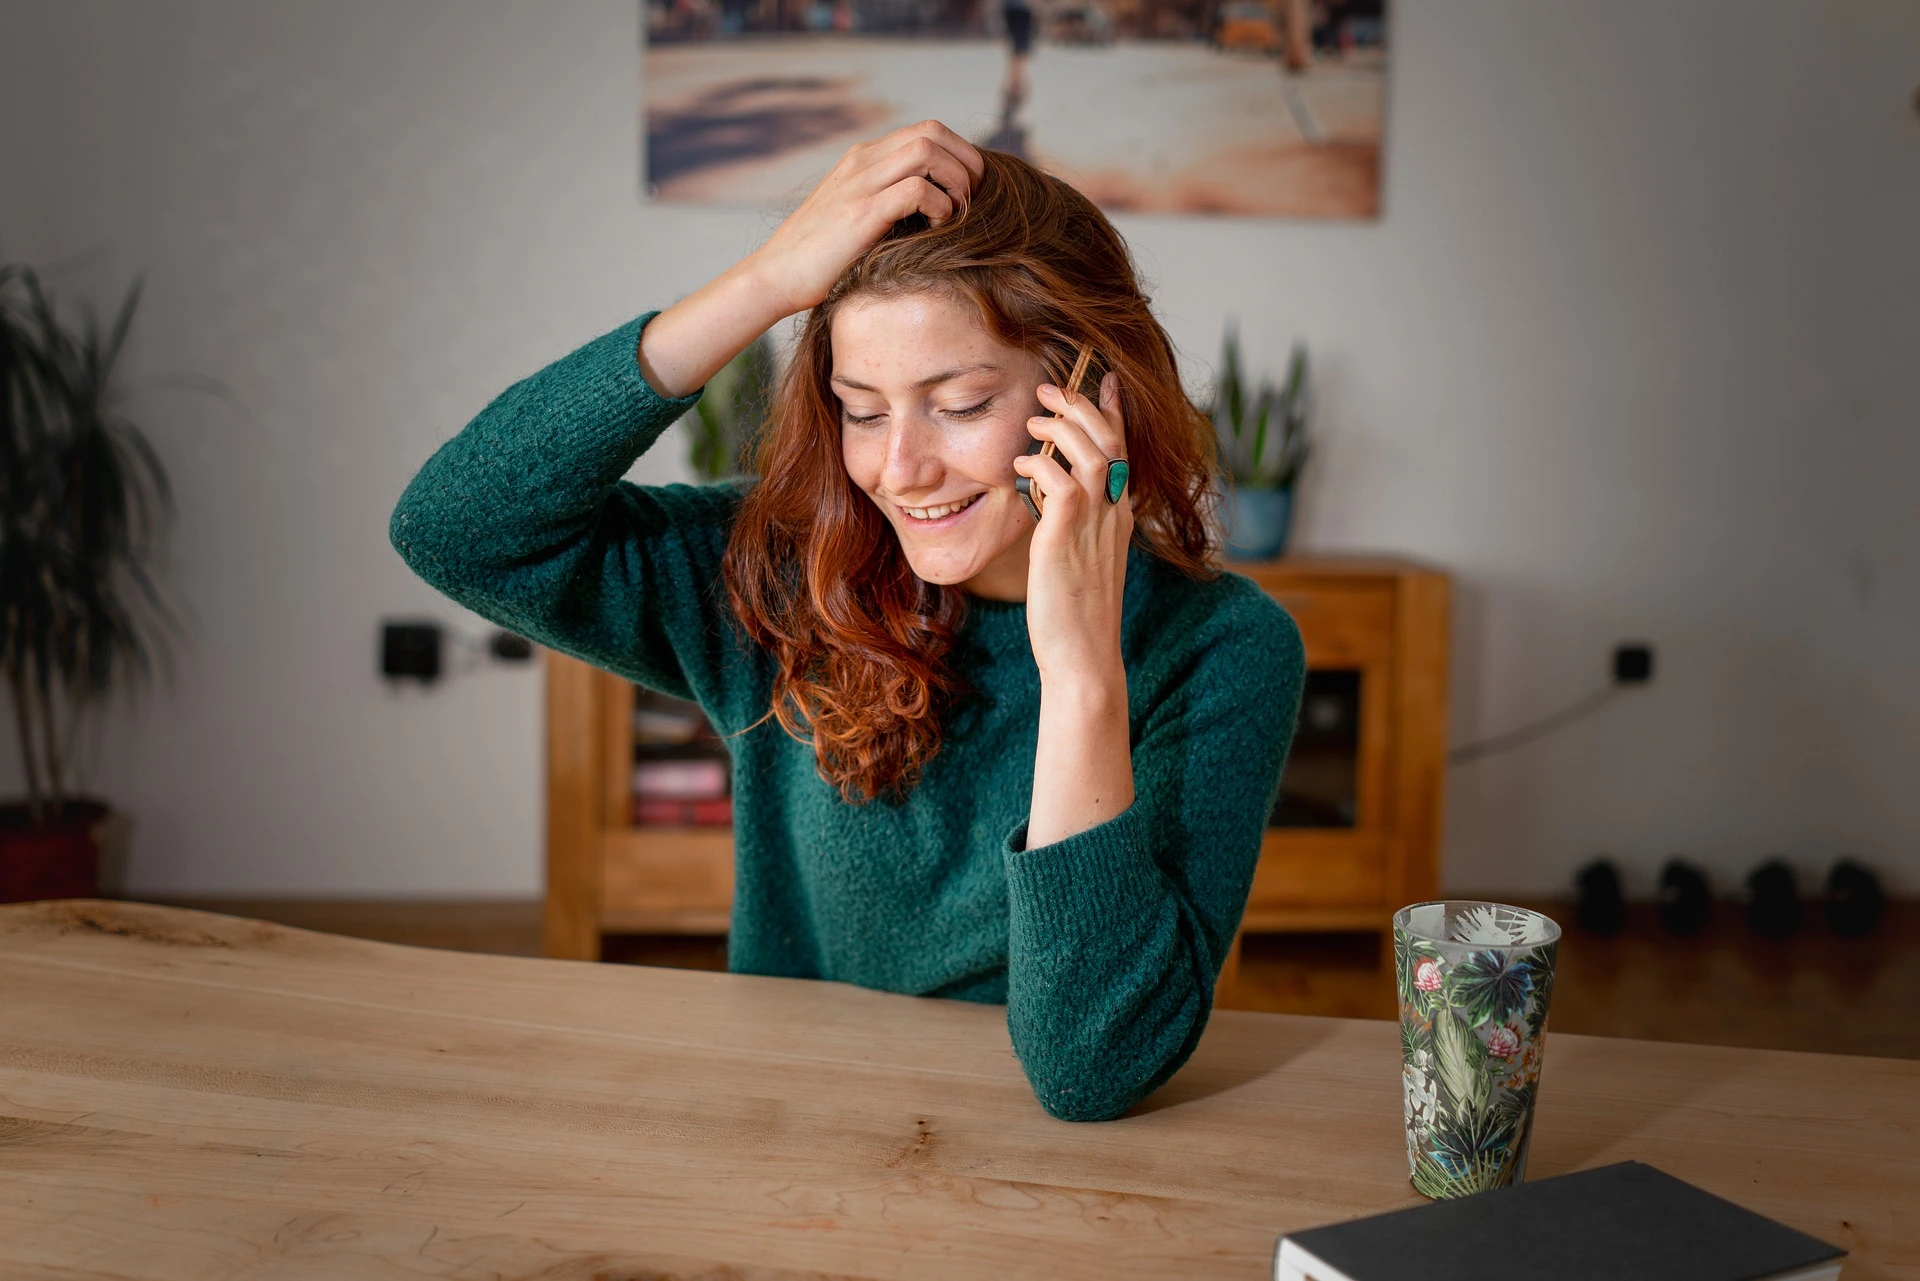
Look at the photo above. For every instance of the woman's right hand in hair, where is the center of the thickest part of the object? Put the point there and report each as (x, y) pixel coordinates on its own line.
(922, 169)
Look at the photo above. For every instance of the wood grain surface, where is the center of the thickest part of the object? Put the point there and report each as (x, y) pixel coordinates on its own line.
(192, 1096)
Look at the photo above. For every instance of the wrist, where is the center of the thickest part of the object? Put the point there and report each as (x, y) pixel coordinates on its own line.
(1083, 760)
(689, 342)
(1092, 691)
(770, 287)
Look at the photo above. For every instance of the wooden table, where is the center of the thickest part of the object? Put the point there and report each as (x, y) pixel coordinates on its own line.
(192, 1096)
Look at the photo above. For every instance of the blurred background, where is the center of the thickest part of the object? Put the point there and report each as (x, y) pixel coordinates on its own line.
(1626, 346)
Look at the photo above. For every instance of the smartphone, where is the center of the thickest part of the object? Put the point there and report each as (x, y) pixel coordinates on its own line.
(1076, 383)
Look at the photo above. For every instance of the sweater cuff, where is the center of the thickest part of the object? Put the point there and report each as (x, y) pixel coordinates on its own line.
(591, 413)
(1072, 888)
(618, 354)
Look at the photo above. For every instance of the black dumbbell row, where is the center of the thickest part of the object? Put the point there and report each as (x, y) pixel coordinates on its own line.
(1854, 901)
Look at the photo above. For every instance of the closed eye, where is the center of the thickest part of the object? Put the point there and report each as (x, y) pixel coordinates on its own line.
(965, 414)
(972, 411)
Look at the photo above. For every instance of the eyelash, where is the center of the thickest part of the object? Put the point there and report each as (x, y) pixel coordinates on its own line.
(964, 415)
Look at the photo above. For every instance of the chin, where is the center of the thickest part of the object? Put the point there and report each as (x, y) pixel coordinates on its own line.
(942, 570)
(955, 558)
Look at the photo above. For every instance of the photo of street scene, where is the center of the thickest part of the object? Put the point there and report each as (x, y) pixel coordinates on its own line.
(1237, 107)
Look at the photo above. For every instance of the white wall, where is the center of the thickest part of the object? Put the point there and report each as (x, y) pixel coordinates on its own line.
(1632, 351)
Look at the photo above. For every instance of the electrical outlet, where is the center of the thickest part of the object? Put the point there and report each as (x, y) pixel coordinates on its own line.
(1632, 663)
(410, 651)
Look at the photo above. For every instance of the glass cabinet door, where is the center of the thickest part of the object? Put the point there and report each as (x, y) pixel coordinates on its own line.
(1321, 786)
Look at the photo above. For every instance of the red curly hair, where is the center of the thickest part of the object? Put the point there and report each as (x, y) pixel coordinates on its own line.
(812, 569)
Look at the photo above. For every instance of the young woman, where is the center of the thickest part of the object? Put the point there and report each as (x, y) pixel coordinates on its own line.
(975, 755)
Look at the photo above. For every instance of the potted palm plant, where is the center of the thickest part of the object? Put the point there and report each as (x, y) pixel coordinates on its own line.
(84, 505)
(1263, 449)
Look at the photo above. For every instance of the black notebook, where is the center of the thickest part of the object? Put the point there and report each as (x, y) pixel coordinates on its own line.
(1626, 1222)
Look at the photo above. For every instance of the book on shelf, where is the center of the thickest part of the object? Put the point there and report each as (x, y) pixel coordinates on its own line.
(716, 812)
(660, 720)
(689, 779)
(655, 727)
(1624, 1220)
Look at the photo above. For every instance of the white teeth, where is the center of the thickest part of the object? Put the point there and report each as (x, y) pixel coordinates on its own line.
(935, 513)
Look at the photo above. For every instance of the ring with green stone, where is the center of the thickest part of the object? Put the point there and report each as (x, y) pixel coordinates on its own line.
(1116, 479)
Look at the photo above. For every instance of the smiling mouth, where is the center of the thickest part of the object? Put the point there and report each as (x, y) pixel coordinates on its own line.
(942, 511)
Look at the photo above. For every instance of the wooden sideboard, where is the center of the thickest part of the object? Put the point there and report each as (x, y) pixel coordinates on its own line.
(1376, 640)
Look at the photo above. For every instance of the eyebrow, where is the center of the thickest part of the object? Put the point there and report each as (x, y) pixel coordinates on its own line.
(931, 380)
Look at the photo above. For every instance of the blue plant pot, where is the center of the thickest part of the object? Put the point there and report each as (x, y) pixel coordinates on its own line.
(1257, 522)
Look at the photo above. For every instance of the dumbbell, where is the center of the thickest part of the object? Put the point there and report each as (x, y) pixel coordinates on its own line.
(1686, 902)
(1773, 900)
(1601, 907)
(1855, 901)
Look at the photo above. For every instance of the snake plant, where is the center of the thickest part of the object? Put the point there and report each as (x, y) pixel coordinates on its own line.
(1263, 430)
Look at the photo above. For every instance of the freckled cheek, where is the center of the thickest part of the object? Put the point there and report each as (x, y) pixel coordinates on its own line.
(989, 459)
(863, 463)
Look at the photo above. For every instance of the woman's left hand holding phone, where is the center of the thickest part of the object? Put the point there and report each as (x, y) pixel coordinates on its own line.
(924, 168)
(1077, 566)
(1076, 581)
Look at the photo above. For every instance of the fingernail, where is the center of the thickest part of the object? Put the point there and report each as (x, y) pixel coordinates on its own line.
(1048, 389)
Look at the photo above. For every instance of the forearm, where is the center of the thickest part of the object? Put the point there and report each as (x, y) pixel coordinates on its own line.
(1116, 934)
(533, 469)
(522, 516)
(692, 340)
(1083, 766)
(1109, 970)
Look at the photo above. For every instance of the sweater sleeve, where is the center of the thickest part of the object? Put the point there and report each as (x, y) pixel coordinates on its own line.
(1117, 934)
(523, 518)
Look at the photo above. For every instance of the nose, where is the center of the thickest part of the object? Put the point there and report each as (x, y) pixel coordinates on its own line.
(913, 466)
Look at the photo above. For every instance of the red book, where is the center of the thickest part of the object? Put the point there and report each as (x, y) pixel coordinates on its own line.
(716, 812)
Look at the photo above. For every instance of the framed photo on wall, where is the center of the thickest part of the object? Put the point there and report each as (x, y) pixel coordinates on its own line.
(1252, 108)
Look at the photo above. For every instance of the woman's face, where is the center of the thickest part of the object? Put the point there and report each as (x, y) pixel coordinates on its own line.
(933, 412)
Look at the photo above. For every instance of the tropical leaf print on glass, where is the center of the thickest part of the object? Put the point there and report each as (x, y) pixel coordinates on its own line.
(1429, 1179)
(1473, 1143)
(1416, 962)
(1461, 1064)
(1490, 986)
(1413, 1039)
(1541, 962)
(1491, 925)
(1474, 980)
(1515, 1105)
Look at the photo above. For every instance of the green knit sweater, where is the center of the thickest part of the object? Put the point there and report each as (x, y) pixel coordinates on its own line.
(1104, 946)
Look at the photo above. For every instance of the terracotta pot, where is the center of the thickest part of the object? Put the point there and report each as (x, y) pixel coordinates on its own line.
(59, 860)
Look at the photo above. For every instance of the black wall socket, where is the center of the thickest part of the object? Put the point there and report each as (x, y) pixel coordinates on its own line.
(1632, 664)
(410, 651)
